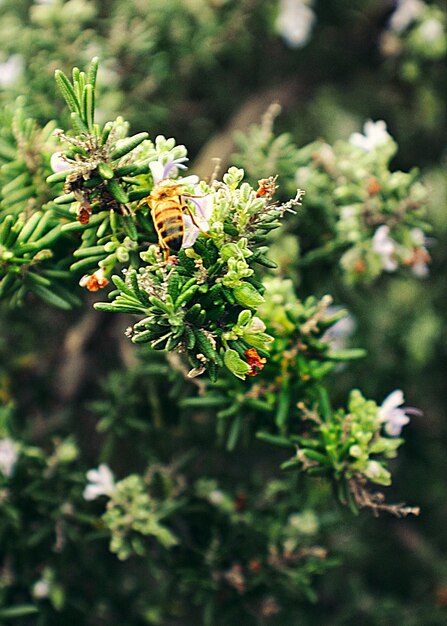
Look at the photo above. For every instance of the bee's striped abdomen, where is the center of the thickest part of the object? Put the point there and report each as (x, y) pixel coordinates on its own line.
(168, 220)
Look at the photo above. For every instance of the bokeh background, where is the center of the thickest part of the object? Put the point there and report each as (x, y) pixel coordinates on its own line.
(204, 71)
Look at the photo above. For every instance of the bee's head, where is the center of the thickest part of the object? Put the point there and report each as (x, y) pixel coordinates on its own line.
(166, 188)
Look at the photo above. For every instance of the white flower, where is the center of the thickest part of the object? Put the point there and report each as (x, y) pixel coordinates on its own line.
(256, 325)
(216, 497)
(407, 11)
(348, 212)
(374, 470)
(11, 70)
(101, 482)
(295, 21)
(355, 451)
(391, 416)
(417, 236)
(385, 247)
(374, 135)
(41, 589)
(431, 30)
(8, 456)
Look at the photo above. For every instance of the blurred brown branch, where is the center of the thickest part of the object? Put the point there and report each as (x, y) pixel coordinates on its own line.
(222, 145)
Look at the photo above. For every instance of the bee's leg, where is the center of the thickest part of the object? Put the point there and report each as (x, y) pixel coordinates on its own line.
(165, 249)
(191, 215)
(127, 210)
(143, 201)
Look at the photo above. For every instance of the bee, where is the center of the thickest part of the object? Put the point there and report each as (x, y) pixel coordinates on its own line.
(167, 203)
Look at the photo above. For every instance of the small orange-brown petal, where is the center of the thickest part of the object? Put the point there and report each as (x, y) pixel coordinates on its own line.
(373, 186)
(254, 361)
(94, 281)
(255, 566)
(102, 282)
(360, 266)
(83, 216)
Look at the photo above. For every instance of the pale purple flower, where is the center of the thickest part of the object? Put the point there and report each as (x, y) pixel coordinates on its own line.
(203, 208)
(393, 417)
(11, 70)
(339, 333)
(160, 170)
(101, 482)
(8, 456)
(295, 21)
(58, 162)
(374, 135)
(407, 11)
(385, 247)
